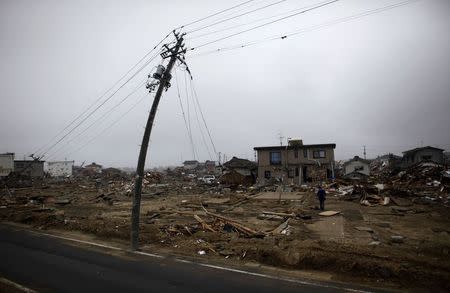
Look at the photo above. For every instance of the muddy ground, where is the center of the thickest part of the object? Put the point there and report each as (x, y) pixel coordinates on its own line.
(356, 244)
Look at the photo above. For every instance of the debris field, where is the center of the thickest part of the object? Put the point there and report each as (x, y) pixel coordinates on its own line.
(392, 229)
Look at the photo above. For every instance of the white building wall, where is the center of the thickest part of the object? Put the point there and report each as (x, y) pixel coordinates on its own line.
(6, 164)
(358, 166)
(60, 168)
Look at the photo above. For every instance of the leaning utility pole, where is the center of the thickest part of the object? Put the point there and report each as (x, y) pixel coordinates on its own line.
(173, 53)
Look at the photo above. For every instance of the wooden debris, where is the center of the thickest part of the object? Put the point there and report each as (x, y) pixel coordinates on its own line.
(365, 229)
(329, 213)
(241, 201)
(280, 228)
(204, 224)
(269, 217)
(291, 215)
(188, 230)
(238, 226)
(62, 201)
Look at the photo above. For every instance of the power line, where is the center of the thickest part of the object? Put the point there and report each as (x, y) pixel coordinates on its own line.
(236, 11)
(194, 152)
(106, 114)
(184, 115)
(203, 117)
(93, 111)
(109, 127)
(103, 95)
(247, 23)
(264, 24)
(198, 122)
(230, 18)
(214, 14)
(308, 29)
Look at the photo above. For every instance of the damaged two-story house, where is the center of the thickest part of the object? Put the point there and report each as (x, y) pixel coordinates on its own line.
(357, 168)
(296, 163)
(427, 153)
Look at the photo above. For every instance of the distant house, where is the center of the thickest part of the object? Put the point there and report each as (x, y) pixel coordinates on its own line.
(32, 168)
(93, 168)
(60, 168)
(243, 166)
(418, 155)
(356, 168)
(388, 159)
(385, 163)
(210, 166)
(296, 163)
(6, 164)
(446, 157)
(77, 171)
(190, 165)
(113, 173)
(239, 171)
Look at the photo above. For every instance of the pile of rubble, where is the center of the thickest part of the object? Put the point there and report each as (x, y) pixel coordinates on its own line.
(425, 182)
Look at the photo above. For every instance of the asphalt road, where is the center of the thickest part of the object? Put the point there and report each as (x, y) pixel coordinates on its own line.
(47, 264)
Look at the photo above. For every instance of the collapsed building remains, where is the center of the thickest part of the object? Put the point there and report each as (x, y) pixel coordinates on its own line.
(6, 164)
(60, 168)
(427, 153)
(31, 168)
(239, 172)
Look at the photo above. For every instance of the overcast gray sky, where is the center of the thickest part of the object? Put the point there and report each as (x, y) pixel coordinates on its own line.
(382, 80)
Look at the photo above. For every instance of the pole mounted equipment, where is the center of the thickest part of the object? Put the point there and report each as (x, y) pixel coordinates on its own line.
(162, 76)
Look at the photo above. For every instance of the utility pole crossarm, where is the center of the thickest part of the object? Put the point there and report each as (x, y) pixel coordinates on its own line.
(135, 212)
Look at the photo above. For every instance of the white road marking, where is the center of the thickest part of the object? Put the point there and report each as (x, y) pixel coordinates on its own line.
(148, 254)
(17, 286)
(76, 240)
(201, 264)
(183, 260)
(281, 279)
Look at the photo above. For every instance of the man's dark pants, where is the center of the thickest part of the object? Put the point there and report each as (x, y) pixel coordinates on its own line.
(322, 204)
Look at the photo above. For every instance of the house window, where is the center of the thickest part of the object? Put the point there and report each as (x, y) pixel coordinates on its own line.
(305, 153)
(359, 168)
(319, 154)
(275, 158)
(291, 173)
(426, 157)
(297, 172)
(267, 174)
(296, 153)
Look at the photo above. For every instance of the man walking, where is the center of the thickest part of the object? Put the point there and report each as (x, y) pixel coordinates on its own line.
(321, 195)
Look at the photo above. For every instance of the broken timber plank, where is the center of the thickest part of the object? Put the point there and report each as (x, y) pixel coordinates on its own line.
(241, 201)
(279, 214)
(204, 224)
(329, 213)
(281, 227)
(237, 225)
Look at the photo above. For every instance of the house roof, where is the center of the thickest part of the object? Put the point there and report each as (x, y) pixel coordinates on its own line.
(240, 163)
(333, 145)
(421, 148)
(28, 161)
(351, 174)
(192, 162)
(58, 162)
(93, 165)
(389, 156)
(357, 159)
